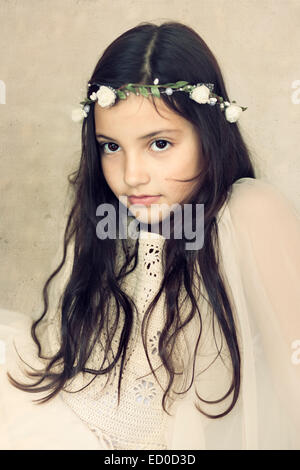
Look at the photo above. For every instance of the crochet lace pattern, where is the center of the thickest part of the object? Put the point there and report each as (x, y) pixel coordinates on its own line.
(139, 422)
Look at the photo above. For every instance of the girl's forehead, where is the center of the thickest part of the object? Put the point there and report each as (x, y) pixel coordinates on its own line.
(137, 110)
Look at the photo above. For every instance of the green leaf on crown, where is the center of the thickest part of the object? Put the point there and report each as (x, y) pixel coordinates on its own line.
(121, 94)
(131, 88)
(87, 101)
(180, 84)
(155, 91)
(144, 91)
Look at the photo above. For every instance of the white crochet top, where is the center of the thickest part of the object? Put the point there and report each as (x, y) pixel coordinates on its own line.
(139, 422)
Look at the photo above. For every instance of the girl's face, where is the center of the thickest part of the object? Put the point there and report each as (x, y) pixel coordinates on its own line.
(144, 153)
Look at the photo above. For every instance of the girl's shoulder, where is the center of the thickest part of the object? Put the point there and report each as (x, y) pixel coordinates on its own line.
(258, 201)
(252, 193)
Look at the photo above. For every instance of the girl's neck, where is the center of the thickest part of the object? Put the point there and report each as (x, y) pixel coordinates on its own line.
(154, 228)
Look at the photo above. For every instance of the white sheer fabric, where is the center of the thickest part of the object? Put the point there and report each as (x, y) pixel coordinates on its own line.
(23, 424)
(259, 235)
(261, 252)
(259, 232)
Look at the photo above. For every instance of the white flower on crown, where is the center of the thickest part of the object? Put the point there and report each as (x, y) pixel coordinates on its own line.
(233, 112)
(200, 94)
(106, 96)
(93, 96)
(78, 114)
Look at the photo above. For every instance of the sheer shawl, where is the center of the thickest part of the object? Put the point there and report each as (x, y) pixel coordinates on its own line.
(259, 233)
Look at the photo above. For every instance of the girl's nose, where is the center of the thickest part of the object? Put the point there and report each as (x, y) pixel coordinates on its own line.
(135, 171)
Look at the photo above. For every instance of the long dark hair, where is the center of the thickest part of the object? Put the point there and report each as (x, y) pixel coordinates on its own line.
(171, 52)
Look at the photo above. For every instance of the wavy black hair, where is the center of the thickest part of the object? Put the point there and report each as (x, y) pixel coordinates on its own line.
(171, 51)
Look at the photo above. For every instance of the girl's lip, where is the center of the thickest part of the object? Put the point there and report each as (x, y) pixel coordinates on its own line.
(143, 199)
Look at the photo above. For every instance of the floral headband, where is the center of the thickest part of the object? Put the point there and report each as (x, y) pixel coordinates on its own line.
(202, 93)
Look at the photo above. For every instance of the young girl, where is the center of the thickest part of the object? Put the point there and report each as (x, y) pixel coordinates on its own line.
(162, 341)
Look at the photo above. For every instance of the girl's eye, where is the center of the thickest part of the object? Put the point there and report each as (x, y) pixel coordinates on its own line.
(112, 144)
(161, 145)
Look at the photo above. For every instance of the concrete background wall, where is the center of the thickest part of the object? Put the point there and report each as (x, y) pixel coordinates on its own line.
(48, 50)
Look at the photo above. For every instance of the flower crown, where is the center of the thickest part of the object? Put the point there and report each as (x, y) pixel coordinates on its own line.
(202, 93)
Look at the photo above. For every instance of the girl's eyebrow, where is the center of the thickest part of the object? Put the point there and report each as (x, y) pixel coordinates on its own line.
(152, 134)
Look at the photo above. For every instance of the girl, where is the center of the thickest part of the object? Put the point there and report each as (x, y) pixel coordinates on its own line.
(157, 343)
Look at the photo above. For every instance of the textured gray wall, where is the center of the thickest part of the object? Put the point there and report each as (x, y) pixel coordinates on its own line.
(49, 49)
